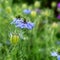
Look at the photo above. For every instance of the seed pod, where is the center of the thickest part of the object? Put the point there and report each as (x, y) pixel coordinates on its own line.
(14, 38)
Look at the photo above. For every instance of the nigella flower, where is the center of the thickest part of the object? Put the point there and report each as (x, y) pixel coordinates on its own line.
(56, 54)
(16, 21)
(58, 57)
(22, 23)
(25, 24)
(58, 17)
(53, 53)
(26, 11)
(58, 5)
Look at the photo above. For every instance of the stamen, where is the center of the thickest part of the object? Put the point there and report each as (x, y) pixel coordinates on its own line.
(18, 17)
(25, 20)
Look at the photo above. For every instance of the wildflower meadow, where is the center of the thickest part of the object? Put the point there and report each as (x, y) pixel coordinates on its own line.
(29, 30)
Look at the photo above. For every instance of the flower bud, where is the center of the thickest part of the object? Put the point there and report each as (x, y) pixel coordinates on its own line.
(24, 5)
(54, 25)
(14, 38)
(33, 13)
(58, 9)
(53, 4)
(37, 4)
(8, 9)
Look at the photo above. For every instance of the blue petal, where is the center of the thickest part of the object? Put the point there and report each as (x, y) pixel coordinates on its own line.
(16, 21)
(22, 25)
(58, 57)
(53, 53)
(26, 11)
(30, 25)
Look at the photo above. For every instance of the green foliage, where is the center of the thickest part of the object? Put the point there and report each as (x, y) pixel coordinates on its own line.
(35, 44)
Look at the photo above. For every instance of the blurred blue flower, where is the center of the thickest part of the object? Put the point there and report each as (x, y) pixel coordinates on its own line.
(58, 57)
(28, 25)
(54, 53)
(16, 21)
(26, 11)
(22, 23)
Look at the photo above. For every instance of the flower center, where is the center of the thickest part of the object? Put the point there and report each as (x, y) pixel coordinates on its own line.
(18, 17)
(25, 20)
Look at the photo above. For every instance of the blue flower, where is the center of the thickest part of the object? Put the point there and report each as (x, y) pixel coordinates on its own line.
(16, 21)
(54, 53)
(58, 57)
(27, 11)
(22, 23)
(28, 25)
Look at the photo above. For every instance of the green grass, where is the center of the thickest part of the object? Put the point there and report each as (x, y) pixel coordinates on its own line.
(35, 44)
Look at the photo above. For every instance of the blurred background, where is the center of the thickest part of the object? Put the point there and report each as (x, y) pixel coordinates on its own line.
(29, 29)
